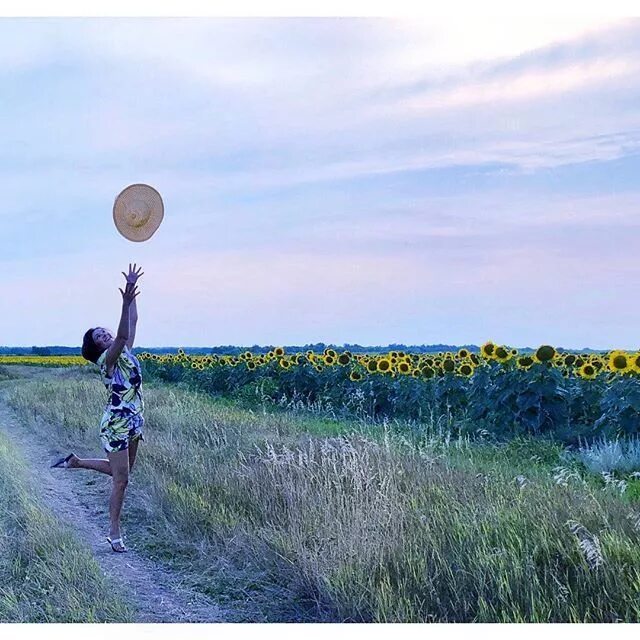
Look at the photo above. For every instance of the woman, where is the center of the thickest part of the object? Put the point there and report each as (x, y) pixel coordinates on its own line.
(122, 421)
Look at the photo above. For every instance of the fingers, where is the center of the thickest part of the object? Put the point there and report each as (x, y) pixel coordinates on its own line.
(128, 290)
(133, 271)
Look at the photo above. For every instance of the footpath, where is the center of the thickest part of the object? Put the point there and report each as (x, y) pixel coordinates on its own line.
(79, 500)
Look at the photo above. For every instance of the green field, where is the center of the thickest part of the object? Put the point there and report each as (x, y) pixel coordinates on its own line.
(45, 574)
(291, 515)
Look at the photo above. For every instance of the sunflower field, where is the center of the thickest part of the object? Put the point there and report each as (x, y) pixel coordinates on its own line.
(44, 361)
(499, 390)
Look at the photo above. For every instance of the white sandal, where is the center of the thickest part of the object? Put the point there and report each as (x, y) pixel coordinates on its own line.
(117, 541)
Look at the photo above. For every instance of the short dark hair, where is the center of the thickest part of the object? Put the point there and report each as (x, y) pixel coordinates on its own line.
(90, 350)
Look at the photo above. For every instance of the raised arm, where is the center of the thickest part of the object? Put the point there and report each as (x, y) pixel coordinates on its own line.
(132, 278)
(114, 351)
(133, 321)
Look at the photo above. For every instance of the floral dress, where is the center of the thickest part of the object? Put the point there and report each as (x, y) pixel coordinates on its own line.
(122, 420)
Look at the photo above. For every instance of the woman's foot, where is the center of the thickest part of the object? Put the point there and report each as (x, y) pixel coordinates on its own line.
(72, 462)
(117, 543)
(65, 463)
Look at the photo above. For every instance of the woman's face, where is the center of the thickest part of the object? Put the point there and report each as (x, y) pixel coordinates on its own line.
(102, 337)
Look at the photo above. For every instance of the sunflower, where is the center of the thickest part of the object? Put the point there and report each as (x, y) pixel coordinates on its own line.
(404, 367)
(344, 358)
(463, 353)
(487, 350)
(285, 364)
(619, 362)
(569, 359)
(474, 359)
(278, 352)
(355, 376)
(318, 367)
(524, 362)
(384, 364)
(329, 360)
(501, 354)
(545, 353)
(372, 366)
(465, 370)
(449, 365)
(587, 371)
(635, 362)
(251, 365)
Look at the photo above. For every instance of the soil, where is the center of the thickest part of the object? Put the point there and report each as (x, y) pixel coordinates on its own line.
(79, 499)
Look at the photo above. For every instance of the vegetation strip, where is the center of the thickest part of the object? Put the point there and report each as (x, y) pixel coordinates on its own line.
(290, 527)
(46, 575)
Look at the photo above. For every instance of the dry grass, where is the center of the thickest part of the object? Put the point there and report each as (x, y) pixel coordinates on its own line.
(289, 526)
(45, 574)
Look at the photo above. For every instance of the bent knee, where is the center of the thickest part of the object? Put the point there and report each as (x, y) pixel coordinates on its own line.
(121, 480)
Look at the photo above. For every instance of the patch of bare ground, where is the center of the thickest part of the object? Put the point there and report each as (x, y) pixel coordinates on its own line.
(79, 499)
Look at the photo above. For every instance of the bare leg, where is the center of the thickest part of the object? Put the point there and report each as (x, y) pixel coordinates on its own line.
(133, 451)
(119, 461)
(94, 464)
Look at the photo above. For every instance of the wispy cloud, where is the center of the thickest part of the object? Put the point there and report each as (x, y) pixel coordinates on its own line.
(318, 171)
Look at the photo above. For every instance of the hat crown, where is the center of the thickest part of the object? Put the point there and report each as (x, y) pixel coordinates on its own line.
(138, 213)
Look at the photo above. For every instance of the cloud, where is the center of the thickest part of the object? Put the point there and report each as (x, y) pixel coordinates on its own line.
(524, 86)
(353, 179)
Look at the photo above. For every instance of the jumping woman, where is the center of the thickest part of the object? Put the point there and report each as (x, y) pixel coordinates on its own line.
(122, 421)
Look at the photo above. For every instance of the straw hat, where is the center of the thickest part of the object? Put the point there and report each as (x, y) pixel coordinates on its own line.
(138, 212)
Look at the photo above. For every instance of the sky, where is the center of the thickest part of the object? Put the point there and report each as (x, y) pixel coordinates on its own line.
(337, 180)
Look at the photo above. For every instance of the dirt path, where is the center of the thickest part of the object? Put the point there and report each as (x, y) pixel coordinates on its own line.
(79, 499)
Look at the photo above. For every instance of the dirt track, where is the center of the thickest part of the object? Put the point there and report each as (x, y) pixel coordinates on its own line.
(79, 499)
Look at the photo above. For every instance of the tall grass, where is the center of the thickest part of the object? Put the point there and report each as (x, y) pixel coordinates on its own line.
(46, 575)
(358, 527)
(611, 455)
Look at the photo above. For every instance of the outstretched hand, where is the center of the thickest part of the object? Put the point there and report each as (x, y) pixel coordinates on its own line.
(129, 294)
(133, 275)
